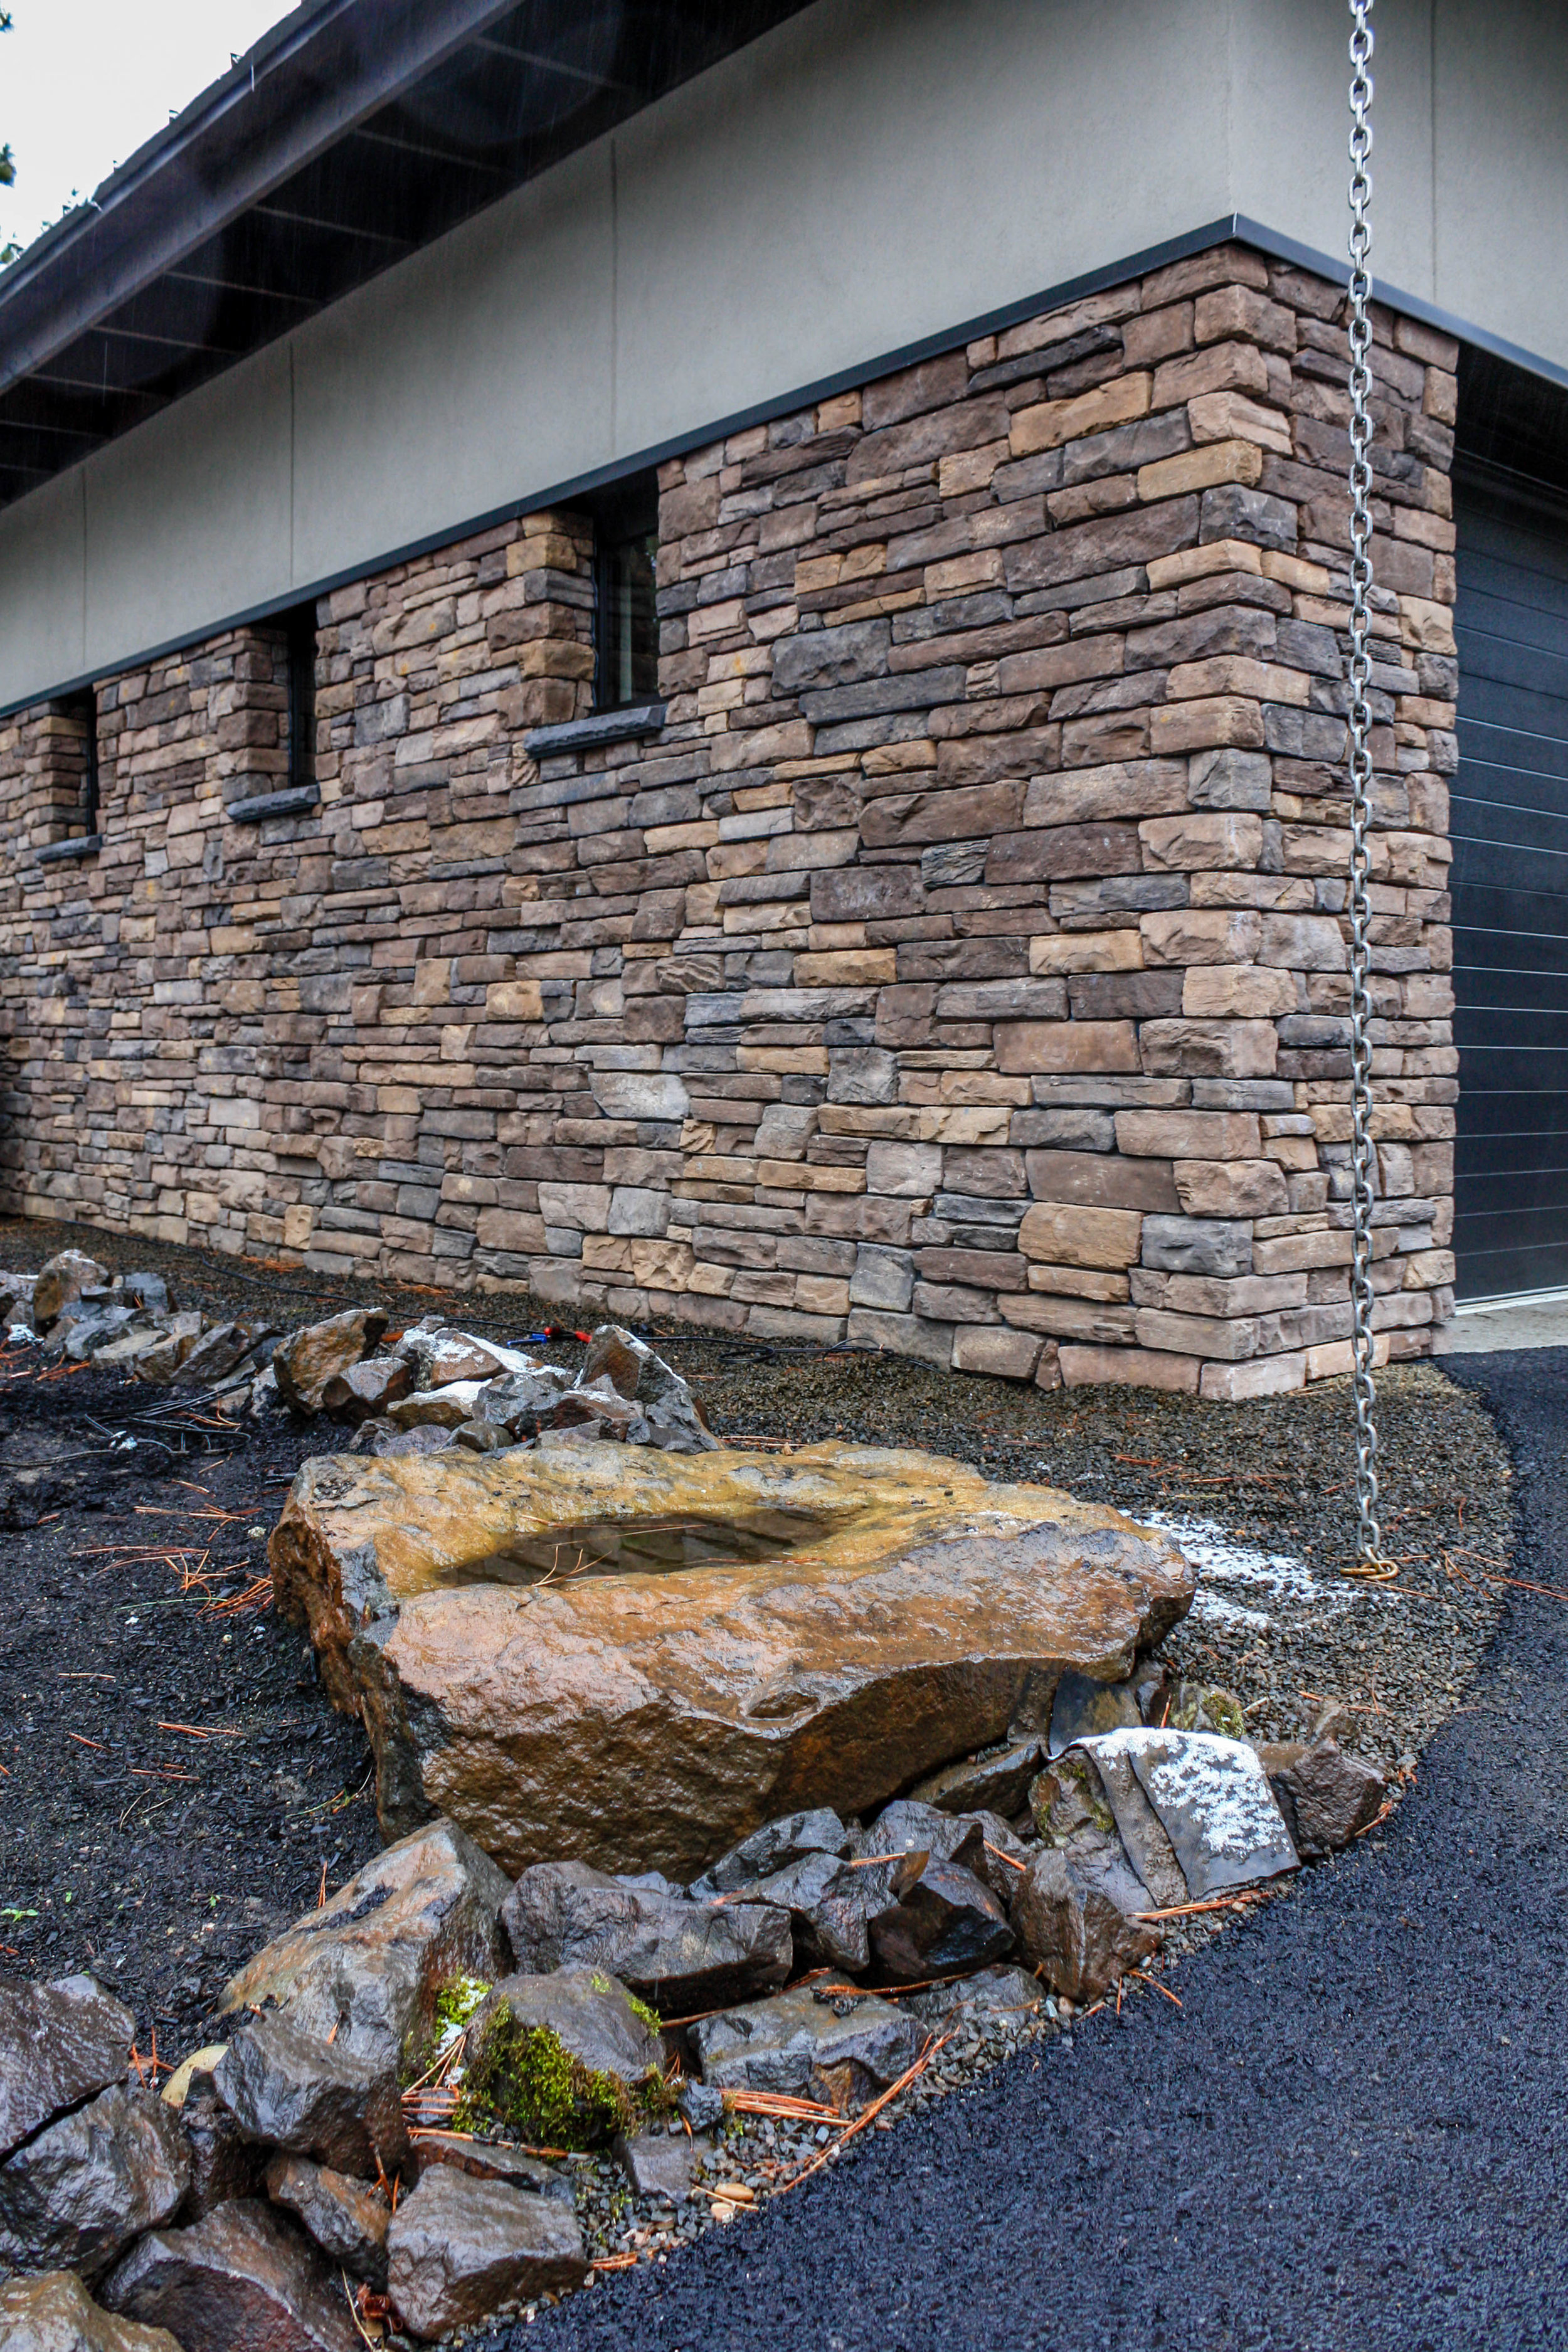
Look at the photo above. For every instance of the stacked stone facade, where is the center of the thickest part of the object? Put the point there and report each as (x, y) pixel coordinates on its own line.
(961, 965)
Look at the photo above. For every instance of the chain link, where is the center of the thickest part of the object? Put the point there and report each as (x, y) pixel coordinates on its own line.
(1369, 1535)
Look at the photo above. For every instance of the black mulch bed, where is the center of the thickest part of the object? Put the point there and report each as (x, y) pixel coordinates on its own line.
(161, 1859)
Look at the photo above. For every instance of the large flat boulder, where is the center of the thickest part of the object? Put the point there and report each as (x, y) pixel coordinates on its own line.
(365, 1968)
(712, 1640)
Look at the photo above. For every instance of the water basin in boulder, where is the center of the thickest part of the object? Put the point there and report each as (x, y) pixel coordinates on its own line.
(744, 1634)
(658, 1546)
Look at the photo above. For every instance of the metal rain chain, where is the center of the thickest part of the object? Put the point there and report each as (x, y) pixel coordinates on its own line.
(1369, 1560)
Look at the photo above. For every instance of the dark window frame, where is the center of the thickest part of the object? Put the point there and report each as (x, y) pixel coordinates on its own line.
(83, 705)
(301, 638)
(625, 556)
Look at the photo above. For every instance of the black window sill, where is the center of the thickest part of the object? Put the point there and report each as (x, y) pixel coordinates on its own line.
(603, 727)
(57, 852)
(290, 804)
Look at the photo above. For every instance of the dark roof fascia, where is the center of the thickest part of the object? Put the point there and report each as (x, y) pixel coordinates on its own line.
(304, 84)
(1229, 228)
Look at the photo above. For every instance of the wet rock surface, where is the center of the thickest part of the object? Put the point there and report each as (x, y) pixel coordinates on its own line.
(81, 2190)
(364, 1967)
(459, 2247)
(642, 1721)
(838, 2051)
(586, 2008)
(238, 2281)
(59, 2044)
(56, 2313)
(679, 1956)
(287, 2090)
(346, 2218)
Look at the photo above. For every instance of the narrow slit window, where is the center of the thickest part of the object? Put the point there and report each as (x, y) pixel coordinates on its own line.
(301, 640)
(626, 605)
(81, 819)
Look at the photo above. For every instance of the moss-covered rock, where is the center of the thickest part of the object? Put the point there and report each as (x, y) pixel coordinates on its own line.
(568, 2060)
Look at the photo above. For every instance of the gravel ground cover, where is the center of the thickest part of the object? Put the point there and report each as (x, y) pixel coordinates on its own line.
(1351, 2133)
(176, 1784)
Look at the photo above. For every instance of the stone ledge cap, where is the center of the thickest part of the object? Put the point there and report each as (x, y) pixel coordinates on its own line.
(287, 803)
(55, 852)
(603, 727)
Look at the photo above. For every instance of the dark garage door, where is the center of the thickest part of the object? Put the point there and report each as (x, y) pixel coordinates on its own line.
(1510, 894)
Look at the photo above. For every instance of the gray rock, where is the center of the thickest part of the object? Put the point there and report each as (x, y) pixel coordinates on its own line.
(586, 2009)
(677, 1955)
(944, 1924)
(218, 1351)
(658, 2164)
(827, 1903)
(59, 2043)
(1002, 1992)
(1074, 1930)
(996, 1780)
(911, 1827)
(841, 2051)
(148, 1291)
(386, 1441)
(1206, 1245)
(1327, 1797)
(345, 2218)
(664, 1398)
(458, 2247)
(224, 2164)
(773, 1848)
(1082, 1708)
(369, 1963)
(516, 1401)
(56, 2313)
(84, 1326)
(364, 1390)
(238, 2281)
(79, 2192)
(1142, 1832)
(288, 2091)
(1214, 1805)
(494, 2160)
(701, 2104)
(1200, 1706)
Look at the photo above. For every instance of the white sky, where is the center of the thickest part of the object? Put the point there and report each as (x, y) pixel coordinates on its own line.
(84, 82)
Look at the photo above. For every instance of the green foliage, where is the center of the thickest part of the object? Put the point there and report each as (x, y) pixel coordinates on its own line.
(649, 2017)
(523, 2077)
(456, 2001)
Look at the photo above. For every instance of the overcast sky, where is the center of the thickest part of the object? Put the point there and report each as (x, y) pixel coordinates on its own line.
(84, 82)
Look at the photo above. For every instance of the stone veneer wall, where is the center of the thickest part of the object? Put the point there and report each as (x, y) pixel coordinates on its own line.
(961, 966)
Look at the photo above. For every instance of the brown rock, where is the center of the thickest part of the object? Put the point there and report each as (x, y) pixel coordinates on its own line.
(240, 2281)
(1327, 1797)
(458, 2247)
(647, 1720)
(61, 1279)
(1074, 1930)
(56, 2313)
(998, 1780)
(306, 1361)
(344, 2217)
(220, 1351)
(59, 2043)
(367, 1966)
(365, 1389)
